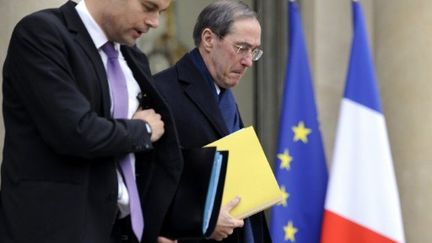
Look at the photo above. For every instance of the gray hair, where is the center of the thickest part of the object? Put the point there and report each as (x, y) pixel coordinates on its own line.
(219, 17)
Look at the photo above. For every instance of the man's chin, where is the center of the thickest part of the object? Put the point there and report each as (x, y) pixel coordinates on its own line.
(232, 83)
(130, 42)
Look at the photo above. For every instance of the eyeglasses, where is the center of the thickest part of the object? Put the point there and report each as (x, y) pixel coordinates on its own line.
(245, 50)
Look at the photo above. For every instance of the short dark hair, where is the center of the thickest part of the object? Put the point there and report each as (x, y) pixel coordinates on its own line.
(219, 16)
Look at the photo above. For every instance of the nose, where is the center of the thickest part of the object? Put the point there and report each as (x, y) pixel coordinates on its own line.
(153, 20)
(247, 60)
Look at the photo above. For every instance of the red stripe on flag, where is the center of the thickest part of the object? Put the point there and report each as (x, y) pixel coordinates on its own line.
(337, 229)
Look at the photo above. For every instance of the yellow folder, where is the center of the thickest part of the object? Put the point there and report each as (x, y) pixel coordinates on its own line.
(249, 174)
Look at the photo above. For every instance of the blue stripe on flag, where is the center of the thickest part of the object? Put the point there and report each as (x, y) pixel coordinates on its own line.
(361, 79)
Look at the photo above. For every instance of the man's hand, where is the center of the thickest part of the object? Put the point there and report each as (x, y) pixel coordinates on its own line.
(154, 120)
(226, 224)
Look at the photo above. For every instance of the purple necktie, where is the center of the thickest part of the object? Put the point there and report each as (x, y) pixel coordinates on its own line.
(120, 104)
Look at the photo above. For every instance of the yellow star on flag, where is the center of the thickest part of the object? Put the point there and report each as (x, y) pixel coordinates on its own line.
(285, 197)
(301, 132)
(290, 231)
(285, 159)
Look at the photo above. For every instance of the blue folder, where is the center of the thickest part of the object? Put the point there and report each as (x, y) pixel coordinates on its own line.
(195, 208)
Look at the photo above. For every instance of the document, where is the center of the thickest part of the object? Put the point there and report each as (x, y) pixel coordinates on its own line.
(248, 175)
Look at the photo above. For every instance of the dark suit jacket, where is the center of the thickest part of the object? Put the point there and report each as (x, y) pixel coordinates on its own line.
(59, 180)
(198, 120)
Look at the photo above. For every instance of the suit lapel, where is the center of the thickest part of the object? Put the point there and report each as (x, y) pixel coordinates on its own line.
(140, 69)
(82, 37)
(139, 66)
(200, 93)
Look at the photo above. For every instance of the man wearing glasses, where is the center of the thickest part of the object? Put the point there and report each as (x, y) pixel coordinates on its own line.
(197, 88)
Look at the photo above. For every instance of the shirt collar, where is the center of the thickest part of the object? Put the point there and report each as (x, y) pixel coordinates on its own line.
(96, 33)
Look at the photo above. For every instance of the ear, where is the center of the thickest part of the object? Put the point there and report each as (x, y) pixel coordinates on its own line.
(207, 39)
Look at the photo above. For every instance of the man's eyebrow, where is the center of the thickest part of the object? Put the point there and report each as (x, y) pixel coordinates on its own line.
(246, 44)
(243, 43)
(151, 5)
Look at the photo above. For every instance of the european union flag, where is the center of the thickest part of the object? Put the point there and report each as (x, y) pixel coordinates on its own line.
(300, 166)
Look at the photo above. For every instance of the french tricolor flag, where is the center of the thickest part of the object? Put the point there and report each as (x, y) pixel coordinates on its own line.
(362, 201)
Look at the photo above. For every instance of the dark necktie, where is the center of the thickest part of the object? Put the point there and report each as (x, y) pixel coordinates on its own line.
(120, 103)
(228, 108)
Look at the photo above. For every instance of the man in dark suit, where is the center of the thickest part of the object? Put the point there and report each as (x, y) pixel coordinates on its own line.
(227, 38)
(61, 177)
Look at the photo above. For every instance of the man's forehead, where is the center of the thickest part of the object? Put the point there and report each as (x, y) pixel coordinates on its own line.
(246, 31)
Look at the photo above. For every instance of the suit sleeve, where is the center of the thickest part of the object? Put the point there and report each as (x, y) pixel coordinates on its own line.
(41, 88)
